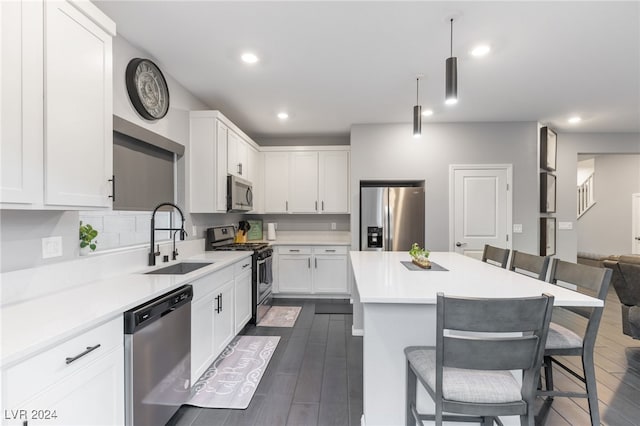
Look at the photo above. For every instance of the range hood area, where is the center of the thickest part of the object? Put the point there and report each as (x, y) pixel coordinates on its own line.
(143, 166)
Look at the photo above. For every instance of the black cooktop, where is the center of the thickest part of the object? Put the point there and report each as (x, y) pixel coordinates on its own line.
(241, 246)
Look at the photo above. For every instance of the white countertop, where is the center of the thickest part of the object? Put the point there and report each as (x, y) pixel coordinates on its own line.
(33, 325)
(381, 278)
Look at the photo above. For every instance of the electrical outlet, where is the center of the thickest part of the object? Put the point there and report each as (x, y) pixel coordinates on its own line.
(51, 247)
(194, 232)
(333, 226)
(565, 225)
(517, 228)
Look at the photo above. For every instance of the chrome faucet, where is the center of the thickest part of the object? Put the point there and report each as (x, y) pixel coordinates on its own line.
(152, 253)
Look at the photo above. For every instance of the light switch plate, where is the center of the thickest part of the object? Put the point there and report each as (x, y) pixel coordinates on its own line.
(333, 226)
(565, 225)
(51, 247)
(517, 228)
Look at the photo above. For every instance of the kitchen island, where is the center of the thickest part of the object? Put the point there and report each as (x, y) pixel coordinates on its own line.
(399, 307)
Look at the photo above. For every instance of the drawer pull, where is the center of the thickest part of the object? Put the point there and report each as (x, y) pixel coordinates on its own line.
(245, 265)
(293, 250)
(330, 251)
(89, 349)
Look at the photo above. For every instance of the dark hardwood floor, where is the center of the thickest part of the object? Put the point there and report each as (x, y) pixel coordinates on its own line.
(315, 377)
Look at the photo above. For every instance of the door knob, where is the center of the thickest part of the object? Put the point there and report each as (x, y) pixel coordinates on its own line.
(638, 238)
(459, 244)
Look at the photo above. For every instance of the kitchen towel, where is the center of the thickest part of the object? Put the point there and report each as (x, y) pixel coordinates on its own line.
(271, 231)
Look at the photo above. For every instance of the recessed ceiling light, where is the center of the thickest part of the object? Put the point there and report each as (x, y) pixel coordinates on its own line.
(481, 50)
(283, 115)
(427, 112)
(249, 58)
(451, 101)
(575, 119)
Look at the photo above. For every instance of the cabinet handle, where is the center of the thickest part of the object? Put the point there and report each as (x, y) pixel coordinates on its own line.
(294, 250)
(240, 169)
(330, 251)
(218, 304)
(309, 263)
(69, 360)
(113, 187)
(316, 261)
(322, 205)
(286, 204)
(245, 265)
(316, 206)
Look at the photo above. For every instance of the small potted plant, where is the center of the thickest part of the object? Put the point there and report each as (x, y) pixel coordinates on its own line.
(420, 256)
(87, 239)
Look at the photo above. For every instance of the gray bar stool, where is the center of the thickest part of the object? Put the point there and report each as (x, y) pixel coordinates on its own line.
(562, 341)
(530, 264)
(468, 374)
(495, 255)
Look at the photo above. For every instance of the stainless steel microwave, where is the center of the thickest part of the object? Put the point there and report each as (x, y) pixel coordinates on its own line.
(239, 195)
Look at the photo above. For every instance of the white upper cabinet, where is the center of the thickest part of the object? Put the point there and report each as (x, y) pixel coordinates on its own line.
(218, 147)
(306, 180)
(21, 102)
(207, 163)
(237, 156)
(303, 182)
(78, 108)
(333, 181)
(276, 182)
(56, 114)
(255, 177)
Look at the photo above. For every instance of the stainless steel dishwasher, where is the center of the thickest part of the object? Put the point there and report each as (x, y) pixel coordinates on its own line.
(157, 339)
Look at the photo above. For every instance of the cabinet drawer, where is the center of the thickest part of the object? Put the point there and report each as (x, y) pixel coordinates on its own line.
(208, 283)
(294, 250)
(242, 266)
(330, 250)
(43, 370)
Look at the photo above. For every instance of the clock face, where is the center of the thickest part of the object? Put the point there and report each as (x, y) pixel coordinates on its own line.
(147, 89)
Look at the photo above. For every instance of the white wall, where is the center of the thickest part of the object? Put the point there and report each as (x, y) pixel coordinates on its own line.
(606, 227)
(21, 231)
(569, 146)
(389, 151)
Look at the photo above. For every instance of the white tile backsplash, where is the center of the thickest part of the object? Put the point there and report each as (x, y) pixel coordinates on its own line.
(124, 228)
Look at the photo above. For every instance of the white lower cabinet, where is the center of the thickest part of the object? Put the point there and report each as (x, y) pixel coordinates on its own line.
(78, 382)
(201, 335)
(221, 306)
(223, 326)
(312, 270)
(242, 295)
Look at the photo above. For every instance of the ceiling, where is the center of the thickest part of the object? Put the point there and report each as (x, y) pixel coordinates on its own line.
(334, 64)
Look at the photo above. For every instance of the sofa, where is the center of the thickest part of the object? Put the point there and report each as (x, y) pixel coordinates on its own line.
(626, 282)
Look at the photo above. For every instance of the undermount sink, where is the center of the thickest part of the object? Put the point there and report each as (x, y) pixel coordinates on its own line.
(180, 268)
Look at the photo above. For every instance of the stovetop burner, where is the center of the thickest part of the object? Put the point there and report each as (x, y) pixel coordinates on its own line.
(241, 246)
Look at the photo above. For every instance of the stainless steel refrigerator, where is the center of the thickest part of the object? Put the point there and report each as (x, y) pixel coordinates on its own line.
(391, 216)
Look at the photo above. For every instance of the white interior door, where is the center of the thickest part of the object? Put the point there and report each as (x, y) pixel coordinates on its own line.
(480, 208)
(635, 223)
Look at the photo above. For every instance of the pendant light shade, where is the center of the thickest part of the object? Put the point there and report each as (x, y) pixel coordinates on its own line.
(417, 121)
(417, 114)
(451, 76)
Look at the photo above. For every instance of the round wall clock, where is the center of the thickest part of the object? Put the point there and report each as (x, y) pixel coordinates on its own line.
(147, 89)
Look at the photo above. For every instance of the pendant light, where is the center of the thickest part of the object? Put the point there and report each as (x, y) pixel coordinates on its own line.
(451, 76)
(417, 114)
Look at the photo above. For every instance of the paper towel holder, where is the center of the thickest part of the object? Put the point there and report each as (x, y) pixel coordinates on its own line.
(271, 231)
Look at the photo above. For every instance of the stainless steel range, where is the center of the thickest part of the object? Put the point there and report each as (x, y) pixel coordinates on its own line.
(221, 238)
